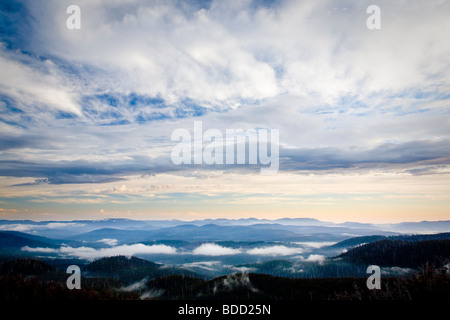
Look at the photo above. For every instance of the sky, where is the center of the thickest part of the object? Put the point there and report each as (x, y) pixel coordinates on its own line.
(87, 115)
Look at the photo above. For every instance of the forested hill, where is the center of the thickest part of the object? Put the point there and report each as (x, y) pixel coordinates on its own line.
(400, 253)
(356, 241)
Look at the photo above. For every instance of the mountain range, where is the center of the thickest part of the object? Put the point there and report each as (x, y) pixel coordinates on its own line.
(213, 229)
(223, 258)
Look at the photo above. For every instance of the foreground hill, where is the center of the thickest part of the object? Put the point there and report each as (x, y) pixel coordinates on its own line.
(215, 232)
(26, 267)
(133, 278)
(428, 284)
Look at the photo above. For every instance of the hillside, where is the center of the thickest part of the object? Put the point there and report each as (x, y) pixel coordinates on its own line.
(429, 284)
(400, 253)
(356, 241)
(111, 265)
(26, 267)
(17, 240)
(129, 269)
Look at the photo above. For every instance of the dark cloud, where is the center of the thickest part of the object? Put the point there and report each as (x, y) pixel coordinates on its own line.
(65, 172)
(389, 153)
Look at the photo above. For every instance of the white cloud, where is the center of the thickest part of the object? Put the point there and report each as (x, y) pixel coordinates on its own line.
(38, 249)
(237, 280)
(17, 227)
(315, 245)
(242, 269)
(212, 249)
(315, 258)
(57, 225)
(207, 265)
(109, 242)
(29, 227)
(318, 49)
(92, 253)
(151, 294)
(33, 87)
(135, 286)
(275, 251)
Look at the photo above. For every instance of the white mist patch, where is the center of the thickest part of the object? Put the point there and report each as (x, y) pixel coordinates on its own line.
(135, 286)
(109, 242)
(206, 265)
(17, 227)
(315, 258)
(238, 280)
(274, 251)
(30, 227)
(212, 249)
(92, 253)
(41, 250)
(58, 225)
(315, 245)
(241, 269)
(151, 294)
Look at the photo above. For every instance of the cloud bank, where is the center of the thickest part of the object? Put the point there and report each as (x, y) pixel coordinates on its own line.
(274, 251)
(92, 253)
(212, 249)
(206, 249)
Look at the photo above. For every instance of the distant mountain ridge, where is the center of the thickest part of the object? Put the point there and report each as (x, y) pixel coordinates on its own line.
(213, 232)
(136, 224)
(249, 229)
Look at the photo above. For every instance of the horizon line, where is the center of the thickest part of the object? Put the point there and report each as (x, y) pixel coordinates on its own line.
(230, 219)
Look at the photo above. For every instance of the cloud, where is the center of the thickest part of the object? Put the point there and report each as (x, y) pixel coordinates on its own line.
(17, 227)
(206, 249)
(275, 251)
(233, 281)
(98, 105)
(212, 249)
(314, 49)
(32, 87)
(206, 265)
(242, 269)
(316, 258)
(151, 294)
(45, 250)
(109, 242)
(315, 245)
(91, 253)
(29, 227)
(142, 284)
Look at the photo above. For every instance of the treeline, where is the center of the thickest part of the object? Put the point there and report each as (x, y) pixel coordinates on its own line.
(400, 253)
(429, 283)
(130, 269)
(19, 281)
